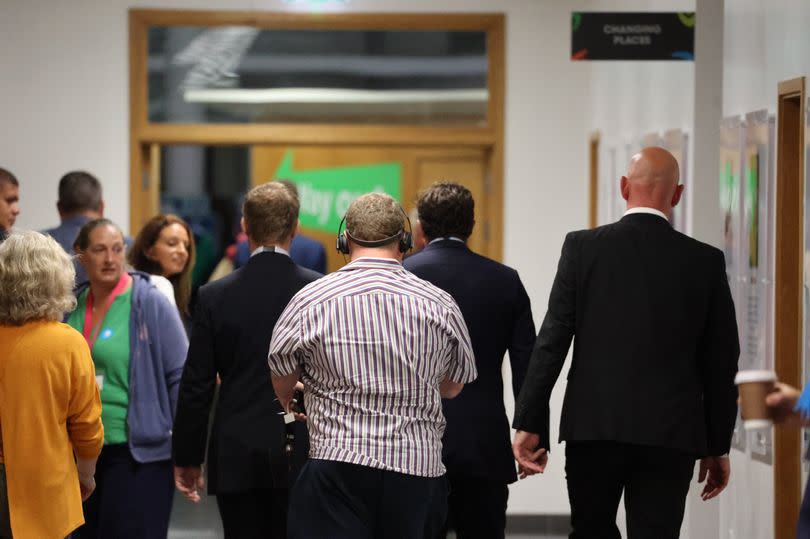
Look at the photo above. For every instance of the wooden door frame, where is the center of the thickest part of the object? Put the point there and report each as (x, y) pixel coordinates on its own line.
(143, 133)
(593, 180)
(788, 330)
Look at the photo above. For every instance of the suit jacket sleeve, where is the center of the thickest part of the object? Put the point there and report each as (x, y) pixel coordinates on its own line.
(550, 348)
(523, 336)
(196, 389)
(461, 365)
(720, 350)
(320, 264)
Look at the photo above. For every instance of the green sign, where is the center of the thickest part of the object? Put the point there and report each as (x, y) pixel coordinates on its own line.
(327, 192)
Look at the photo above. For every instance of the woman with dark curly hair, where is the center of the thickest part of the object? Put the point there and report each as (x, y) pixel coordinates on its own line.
(164, 248)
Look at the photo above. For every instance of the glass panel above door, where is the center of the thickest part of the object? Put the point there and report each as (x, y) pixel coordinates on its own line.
(240, 74)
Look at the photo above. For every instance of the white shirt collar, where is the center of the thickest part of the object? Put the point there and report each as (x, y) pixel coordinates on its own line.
(453, 238)
(651, 211)
(270, 249)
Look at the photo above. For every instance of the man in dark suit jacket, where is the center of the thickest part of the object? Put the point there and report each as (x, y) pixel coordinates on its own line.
(248, 468)
(496, 308)
(304, 251)
(651, 383)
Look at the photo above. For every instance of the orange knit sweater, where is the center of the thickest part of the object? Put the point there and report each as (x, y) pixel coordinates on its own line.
(49, 407)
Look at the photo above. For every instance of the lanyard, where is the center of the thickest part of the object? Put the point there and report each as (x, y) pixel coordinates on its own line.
(88, 310)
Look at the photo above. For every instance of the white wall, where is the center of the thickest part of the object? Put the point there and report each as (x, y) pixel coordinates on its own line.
(764, 43)
(64, 105)
(629, 99)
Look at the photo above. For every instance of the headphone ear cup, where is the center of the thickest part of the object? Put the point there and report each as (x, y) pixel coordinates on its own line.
(405, 242)
(341, 244)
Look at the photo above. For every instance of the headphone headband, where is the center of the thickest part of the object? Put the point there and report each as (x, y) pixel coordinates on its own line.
(405, 238)
(374, 243)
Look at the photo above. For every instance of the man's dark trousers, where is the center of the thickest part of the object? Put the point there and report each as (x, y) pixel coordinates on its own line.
(348, 501)
(654, 481)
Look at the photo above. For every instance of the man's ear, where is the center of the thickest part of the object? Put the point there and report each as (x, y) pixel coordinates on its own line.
(625, 188)
(676, 198)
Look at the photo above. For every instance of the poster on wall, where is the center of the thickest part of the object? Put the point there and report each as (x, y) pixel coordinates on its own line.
(756, 268)
(756, 284)
(650, 139)
(677, 143)
(608, 184)
(730, 200)
(730, 165)
(621, 160)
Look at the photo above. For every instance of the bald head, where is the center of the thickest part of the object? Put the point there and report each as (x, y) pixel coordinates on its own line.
(652, 181)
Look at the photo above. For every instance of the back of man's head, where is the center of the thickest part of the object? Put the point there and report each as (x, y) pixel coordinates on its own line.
(446, 209)
(271, 214)
(291, 186)
(652, 180)
(374, 217)
(6, 177)
(79, 192)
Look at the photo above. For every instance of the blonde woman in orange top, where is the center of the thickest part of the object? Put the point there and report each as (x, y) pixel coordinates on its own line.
(50, 411)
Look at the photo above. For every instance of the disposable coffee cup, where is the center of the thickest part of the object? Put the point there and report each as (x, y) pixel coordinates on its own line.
(754, 387)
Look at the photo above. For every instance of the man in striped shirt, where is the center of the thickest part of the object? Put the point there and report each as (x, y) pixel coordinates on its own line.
(376, 348)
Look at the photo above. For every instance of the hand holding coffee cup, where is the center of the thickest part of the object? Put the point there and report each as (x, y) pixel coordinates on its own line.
(783, 403)
(754, 387)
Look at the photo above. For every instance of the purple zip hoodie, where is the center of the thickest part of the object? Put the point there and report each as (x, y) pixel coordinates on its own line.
(157, 352)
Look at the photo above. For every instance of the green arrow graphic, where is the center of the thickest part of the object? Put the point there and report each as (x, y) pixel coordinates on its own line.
(327, 192)
(687, 19)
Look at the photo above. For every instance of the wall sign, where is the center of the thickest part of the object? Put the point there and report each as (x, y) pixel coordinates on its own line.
(632, 36)
(327, 192)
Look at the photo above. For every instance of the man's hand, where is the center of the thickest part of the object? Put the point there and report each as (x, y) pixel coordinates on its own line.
(297, 403)
(87, 484)
(531, 459)
(716, 472)
(189, 481)
(782, 403)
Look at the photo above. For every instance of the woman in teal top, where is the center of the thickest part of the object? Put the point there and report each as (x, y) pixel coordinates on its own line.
(138, 346)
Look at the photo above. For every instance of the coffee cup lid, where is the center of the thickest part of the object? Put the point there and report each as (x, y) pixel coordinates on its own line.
(757, 424)
(745, 377)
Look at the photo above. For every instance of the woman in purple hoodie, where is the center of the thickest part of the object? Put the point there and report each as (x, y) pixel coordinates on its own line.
(138, 346)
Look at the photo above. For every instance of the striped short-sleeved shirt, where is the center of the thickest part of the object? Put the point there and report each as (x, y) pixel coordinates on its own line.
(373, 342)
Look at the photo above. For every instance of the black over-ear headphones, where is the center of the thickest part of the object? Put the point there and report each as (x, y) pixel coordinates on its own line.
(405, 238)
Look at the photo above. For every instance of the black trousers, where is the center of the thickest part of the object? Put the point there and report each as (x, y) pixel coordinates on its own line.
(476, 507)
(254, 514)
(131, 500)
(347, 501)
(655, 482)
